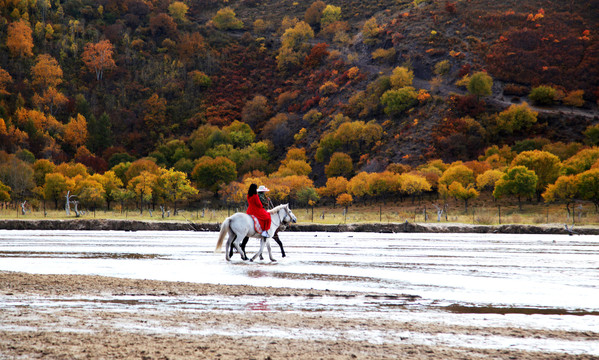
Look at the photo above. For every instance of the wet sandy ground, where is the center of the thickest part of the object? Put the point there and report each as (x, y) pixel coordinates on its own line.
(74, 316)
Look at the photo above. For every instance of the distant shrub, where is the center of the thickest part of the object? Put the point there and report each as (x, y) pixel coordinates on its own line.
(574, 98)
(200, 79)
(225, 19)
(480, 84)
(285, 98)
(400, 100)
(515, 90)
(442, 67)
(328, 88)
(543, 95)
(383, 55)
(591, 135)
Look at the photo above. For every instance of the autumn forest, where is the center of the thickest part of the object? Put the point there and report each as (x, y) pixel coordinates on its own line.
(139, 103)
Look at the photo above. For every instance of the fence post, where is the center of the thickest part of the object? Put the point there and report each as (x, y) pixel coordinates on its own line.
(499, 213)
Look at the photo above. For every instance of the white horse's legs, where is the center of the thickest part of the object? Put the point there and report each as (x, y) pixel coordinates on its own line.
(262, 241)
(269, 251)
(229, 244)
(239, 249)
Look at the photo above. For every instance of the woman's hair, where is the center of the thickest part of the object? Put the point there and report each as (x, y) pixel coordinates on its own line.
(253, 190)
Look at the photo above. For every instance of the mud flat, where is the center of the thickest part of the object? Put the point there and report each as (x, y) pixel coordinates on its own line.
(134, 225)
(75, 317)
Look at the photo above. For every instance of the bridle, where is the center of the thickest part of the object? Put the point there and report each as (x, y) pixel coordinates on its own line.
(282, 221)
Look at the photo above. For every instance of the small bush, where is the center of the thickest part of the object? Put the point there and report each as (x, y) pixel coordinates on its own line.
(442, 67)
(383, 55)
(543, 95)
(515, 90)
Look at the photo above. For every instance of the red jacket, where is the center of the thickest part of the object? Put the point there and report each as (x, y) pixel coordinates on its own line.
(255, 208)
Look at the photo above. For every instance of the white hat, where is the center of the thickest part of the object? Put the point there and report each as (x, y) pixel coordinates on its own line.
(262, 188)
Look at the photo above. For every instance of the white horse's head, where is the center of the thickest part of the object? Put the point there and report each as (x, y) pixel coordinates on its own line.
(289, 216)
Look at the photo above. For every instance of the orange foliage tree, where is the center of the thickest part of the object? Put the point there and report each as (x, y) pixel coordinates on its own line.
(5, 80)
(46, 72)
(98, 57)
(19, 40)
(75, 132)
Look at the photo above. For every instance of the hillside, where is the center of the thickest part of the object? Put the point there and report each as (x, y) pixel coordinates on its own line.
(385, 82)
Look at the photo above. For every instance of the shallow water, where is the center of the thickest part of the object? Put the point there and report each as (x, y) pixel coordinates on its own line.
(528, 281)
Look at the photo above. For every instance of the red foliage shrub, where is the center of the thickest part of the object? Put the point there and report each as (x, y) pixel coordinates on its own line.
(450, 7)
(317, 54)
(557, 52)
(97, 164)
(464, 70)
(467, 105)
(515, 90)
(310, 103)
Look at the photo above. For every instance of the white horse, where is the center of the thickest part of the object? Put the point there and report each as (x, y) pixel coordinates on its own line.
(240, 225)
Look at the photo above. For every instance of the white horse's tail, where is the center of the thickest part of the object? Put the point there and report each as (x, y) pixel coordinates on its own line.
(224, 228)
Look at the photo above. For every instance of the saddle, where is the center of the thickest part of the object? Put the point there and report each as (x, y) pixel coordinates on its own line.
(257, 226)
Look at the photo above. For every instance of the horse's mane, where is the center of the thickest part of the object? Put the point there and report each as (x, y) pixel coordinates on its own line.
(277, 208)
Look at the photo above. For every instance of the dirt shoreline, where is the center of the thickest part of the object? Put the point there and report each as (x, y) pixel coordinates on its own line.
(406, 227)
(35, 328)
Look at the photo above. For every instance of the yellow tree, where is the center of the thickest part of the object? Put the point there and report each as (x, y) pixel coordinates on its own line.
(401, 77)
(294, 45)
(297, 183)
(344, 200)
(330, 14)
(46, 72)
(98, 57)
(142, 186)
(90, 192)
(178, 11)
(383, 184)
(75, 132)
(138, 166)
(546, 166)
(358, 185)
(486, 181)
(19, 39)
(457, 173)
(42, 167)
(413, 185)
(4, 192)
(234, 192)
(226, 19)
(565, 188)
(334, 187)
(72, 170)
(111, 184)
(55, 186)
(458, 191)
(340, 165)
(175, 186)
(371, 31)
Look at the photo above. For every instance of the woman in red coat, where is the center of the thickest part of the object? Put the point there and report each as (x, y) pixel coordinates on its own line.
(255, 208)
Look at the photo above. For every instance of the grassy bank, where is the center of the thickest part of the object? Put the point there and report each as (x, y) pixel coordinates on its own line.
(479, 214)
